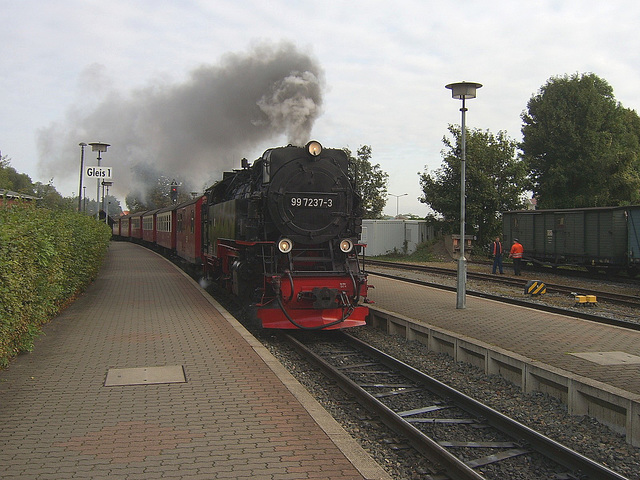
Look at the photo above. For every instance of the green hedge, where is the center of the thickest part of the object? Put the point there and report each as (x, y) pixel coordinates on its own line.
(46, 258)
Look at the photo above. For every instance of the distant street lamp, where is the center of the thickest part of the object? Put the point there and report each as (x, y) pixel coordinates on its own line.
(397, 200)
(98, 147)
(82, 145)
(106, 199)
(462, 91)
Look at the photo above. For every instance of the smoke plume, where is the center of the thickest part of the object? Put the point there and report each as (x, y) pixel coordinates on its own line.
(193, 130)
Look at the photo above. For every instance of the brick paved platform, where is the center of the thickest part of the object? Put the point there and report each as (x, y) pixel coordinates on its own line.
(545, 337)
(593, 368)
(234, 413)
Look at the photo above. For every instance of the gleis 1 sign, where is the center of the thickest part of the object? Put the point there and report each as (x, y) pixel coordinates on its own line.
(103, 173)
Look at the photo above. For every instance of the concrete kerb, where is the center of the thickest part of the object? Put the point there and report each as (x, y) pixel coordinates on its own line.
(616, 408)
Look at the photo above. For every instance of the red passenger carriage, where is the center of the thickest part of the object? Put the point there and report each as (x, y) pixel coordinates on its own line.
(125, 226)
(135, 226)
(149, 226)
(166, 228)
(189, 230)
(115, 227)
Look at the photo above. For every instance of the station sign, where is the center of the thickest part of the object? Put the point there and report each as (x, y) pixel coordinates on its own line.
(101, 173)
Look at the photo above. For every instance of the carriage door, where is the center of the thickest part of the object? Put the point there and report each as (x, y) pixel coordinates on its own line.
(570, 235)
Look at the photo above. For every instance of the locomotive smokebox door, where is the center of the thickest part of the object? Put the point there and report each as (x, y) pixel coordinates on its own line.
(310, 199)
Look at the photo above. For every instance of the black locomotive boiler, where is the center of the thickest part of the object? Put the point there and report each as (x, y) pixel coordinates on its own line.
(282, 232)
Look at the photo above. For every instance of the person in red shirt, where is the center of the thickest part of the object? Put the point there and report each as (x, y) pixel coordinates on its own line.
(516, 254)
(496, 251)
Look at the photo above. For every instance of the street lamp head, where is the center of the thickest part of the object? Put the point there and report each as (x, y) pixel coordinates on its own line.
(463, 90)
(82, 144)
(397, 200)
(99, 146)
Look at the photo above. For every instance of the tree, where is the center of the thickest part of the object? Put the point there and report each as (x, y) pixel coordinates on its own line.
(5, 161)
(495, 181)
(50, 198)
(580, 145)
(371, 182)
(10, 179)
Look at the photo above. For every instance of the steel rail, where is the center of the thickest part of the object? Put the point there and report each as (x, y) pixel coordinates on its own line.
(628, 300)
(523, 303)
(455, 468)
(541, 443)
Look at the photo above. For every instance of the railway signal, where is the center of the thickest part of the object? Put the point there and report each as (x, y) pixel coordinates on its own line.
(174, 191)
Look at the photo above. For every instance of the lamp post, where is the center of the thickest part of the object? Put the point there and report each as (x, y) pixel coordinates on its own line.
(462, 91)
(397, 200)
(106, 184)
(82, 145)
(98, 147)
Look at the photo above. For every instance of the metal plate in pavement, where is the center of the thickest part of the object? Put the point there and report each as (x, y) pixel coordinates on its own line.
(145, 376)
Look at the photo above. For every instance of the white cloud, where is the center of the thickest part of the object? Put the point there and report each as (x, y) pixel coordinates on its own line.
(385, 64)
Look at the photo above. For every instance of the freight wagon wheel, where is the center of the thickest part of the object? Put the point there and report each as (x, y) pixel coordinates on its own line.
(613, 271)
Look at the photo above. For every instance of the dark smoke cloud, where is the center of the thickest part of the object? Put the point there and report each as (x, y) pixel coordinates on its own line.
(192, 130)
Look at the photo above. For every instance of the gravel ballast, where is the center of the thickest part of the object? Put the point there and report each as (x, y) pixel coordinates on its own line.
(538, 411)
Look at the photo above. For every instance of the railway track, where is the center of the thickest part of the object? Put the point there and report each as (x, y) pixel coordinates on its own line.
(462, 437)
(583, 313)
(606, 296)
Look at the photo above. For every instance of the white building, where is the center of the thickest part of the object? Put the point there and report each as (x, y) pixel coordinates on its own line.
(388, 236)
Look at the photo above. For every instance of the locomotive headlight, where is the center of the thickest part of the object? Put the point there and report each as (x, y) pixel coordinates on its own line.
(346, 245)
(314, 148)
(285, 245)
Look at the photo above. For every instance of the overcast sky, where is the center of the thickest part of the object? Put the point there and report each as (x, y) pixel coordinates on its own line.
(160, 80)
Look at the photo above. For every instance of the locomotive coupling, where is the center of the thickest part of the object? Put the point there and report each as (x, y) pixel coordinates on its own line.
(324, 297)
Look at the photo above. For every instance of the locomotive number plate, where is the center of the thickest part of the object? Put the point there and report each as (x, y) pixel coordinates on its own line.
(311, 201)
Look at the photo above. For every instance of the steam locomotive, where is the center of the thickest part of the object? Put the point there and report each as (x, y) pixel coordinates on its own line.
(280, 233)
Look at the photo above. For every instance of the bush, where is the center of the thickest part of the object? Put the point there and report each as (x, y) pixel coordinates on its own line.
(423, 253)
(46, 258)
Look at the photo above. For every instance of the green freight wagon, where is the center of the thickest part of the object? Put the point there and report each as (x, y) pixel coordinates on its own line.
(599, 238)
